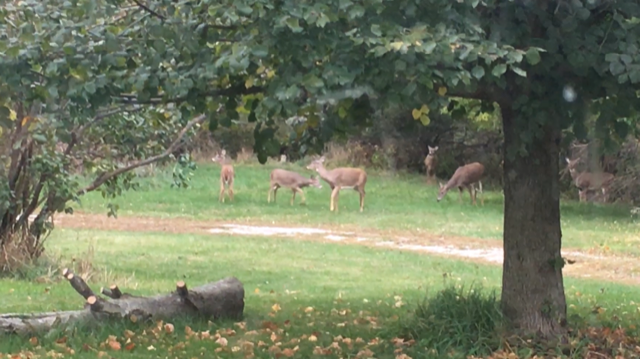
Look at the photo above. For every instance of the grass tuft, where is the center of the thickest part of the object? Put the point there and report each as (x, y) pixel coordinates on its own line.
(466, 320)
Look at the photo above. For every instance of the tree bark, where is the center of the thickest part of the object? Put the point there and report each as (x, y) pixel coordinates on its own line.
(222, 299)
(533, 299)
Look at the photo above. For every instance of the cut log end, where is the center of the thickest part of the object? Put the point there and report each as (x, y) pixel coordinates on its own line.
(94, 304)
(78, 284)
(182, 290)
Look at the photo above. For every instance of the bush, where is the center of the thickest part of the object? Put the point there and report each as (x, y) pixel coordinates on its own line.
(456, 319)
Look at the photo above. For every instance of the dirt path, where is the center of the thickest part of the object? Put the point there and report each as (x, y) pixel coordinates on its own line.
(609, 267)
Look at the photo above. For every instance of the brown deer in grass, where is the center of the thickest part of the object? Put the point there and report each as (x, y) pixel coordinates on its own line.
(291, 180)
(339, 178)
(227, 175)
(430, 162)
(589, 181)
(465, 177)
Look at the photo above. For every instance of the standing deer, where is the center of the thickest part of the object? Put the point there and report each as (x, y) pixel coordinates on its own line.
(227, 175)
(292, 180)
(465, 177)
(338, 178)
(430, 162)
(589, 181)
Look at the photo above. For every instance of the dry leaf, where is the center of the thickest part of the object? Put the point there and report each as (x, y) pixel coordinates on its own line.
(114, 345)
(276, 307)
(313, 338)
(129, 334)
(130, 346)
(288, 352)
(33, 341)
(222, 341)
(169, 328)
(308, 309)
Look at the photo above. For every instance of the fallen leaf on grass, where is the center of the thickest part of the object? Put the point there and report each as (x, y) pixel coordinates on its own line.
(129, 334)
(33, 341)
(313, 338)
(130, 346)
(276, 307)
(274, 337)
(241, 325)
(169, 328)
(308, 309)
(222, 341)
(267, 324)
(114, 345)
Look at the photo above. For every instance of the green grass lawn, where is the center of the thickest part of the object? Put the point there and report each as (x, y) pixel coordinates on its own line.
(326, 289)
(317, 299)
(393, 202)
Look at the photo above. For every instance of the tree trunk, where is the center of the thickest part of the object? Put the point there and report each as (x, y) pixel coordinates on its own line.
(222, 299)
(533, 297)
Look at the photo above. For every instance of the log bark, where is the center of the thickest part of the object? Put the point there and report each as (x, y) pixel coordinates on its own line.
(533, 296)
(215, 300)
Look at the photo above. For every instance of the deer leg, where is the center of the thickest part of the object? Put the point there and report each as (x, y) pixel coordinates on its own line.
(221, 194)
(362, 193)
(271, 186)
(334, 193)
(604, 195)
(230, 191)
(460, 189)
(293, 197)
(275, 190)
(304, 200)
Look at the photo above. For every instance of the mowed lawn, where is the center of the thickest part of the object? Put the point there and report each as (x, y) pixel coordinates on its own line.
(303, 298)
(304, 288)
(392, 202)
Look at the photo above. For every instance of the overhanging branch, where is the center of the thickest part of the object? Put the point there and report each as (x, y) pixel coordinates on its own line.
(239, 89)
(176, 144)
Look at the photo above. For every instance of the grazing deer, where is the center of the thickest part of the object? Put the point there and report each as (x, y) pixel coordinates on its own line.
(465, 177)
(339, 178)
(292, 180)
(430, 162)
(227, 175)
(589, 181)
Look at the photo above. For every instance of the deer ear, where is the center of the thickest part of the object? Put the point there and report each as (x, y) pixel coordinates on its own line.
(441, 185)
(223, 152)
(321, 159)
(568, 160)
(435, 148)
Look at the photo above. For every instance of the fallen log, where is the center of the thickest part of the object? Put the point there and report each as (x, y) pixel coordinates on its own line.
(216, 300)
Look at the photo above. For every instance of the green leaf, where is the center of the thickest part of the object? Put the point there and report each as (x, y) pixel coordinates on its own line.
(312, 81)
(611, 57)
(616, 68)
(260, 51)
(428, 47)
(400, 65)
(634, 76)
(499, 69)
(90, 87)
(477, 72)
(39, 138)
(356, 12)
(533, 56)
(519, 71)
(244, 9)
(293, 24)
(375, 29)
(626, 59)
(323, 20)
(342, 112)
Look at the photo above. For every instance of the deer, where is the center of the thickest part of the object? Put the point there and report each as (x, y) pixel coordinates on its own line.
(227, 175)
(339, 178)
(430, 162)
(589, 181)
(465, 177)
(291, 180)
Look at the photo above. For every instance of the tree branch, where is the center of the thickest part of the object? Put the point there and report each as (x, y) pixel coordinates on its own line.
(147, 9)
(239, 89)
(174, 146)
